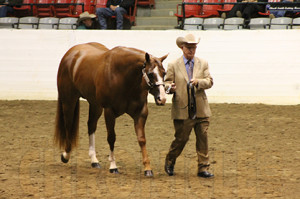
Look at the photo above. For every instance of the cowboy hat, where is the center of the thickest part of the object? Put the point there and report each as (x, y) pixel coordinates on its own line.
(189, 39)
(85, 15)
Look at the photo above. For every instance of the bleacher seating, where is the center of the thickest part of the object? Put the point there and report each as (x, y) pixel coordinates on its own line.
(198, 17)
(25, 10)
(296, 23)
(63, 10)
(150, 3)
(28, 23)
(9, 22)
(234, 23)
(67, 23)
(210, 10)
(281, 23)
(190, 10)
(193, 23)
(48, 23)
(259, 23)
(214, 23)
(43, 9)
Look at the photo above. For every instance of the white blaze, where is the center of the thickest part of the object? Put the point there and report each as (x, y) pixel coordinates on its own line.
(162, 93)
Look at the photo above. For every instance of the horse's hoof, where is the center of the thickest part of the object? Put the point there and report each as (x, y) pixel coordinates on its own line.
(148, 173)
(114, 171)
(96, 165)
(63, 159)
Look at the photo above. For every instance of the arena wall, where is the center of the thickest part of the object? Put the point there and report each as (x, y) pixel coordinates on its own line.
(248, 66)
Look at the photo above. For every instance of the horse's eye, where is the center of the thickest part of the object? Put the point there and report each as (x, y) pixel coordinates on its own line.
(150, 75)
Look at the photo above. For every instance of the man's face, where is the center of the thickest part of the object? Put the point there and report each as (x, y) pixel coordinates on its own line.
(88, 22)
(189, 50)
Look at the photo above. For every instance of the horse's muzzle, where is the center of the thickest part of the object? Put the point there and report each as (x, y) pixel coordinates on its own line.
(159, 101)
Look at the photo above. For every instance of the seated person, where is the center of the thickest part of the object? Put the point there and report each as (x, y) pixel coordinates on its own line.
(8, 7)
(114, 8)
(247, 10)
(282, 13)
(85, 21)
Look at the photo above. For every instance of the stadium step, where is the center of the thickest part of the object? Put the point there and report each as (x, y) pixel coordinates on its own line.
(160, 18)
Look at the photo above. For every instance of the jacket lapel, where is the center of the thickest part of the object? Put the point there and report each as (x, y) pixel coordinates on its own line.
(197, 66)
(182, 69)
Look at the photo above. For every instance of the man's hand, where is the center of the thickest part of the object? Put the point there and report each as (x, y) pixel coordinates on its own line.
(194, 82)
(171, 89)
(113, 7)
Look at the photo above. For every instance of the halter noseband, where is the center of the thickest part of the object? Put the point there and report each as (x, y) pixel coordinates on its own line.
(149, 83)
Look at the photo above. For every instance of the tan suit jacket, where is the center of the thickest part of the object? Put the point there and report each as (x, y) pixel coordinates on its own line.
(177, 73)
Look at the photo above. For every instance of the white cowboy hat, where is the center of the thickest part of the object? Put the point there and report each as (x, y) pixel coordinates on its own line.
(86, 15)
(189, 38)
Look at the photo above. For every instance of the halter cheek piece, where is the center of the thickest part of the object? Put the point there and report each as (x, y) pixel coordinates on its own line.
(149, 83)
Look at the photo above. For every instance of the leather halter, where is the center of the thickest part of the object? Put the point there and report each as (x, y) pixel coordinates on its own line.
(149, 83)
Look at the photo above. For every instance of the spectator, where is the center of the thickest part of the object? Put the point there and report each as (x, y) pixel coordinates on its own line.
(85, 20)
(248, 9)
(114, 8)
(281, 13)
(8, 7)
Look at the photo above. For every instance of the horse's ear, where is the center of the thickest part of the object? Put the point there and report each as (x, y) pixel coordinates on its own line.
(163, 57)
(147, 57)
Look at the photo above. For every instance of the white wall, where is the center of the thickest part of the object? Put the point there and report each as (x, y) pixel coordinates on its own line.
(248, 66)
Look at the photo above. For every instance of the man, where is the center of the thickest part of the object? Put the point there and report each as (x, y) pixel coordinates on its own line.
(85, 20)
(116, 8)
(187, 77)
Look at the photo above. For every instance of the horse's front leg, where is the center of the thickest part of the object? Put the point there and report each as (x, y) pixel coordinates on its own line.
(94, 114)
(139, 125)
(110, 120)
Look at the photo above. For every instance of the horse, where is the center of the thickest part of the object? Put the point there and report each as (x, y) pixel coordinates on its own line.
(115, 80)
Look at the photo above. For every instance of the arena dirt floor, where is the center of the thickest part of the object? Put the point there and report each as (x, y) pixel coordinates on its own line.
(254, 151)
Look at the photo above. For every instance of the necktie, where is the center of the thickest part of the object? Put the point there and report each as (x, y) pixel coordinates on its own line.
(190, 69)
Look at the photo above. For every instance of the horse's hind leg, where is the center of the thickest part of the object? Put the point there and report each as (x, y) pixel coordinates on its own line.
(94, 114)
(111, 138)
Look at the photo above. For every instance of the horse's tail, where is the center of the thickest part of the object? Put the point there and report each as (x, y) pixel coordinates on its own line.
(66, 128)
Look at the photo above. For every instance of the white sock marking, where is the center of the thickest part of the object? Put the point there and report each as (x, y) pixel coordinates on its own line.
(92, 151)
(111, 158)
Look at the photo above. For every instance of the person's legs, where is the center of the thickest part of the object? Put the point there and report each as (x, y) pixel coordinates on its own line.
(235, 9)
(4, 10)
(119, 12)
(102, 14)
(251, 11)
(201, 130)
(277, 13)
(183, 130)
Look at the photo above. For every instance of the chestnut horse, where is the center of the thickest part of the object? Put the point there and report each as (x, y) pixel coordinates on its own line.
(116, 80)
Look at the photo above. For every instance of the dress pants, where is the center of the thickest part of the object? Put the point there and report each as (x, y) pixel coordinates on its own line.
(183, 130)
